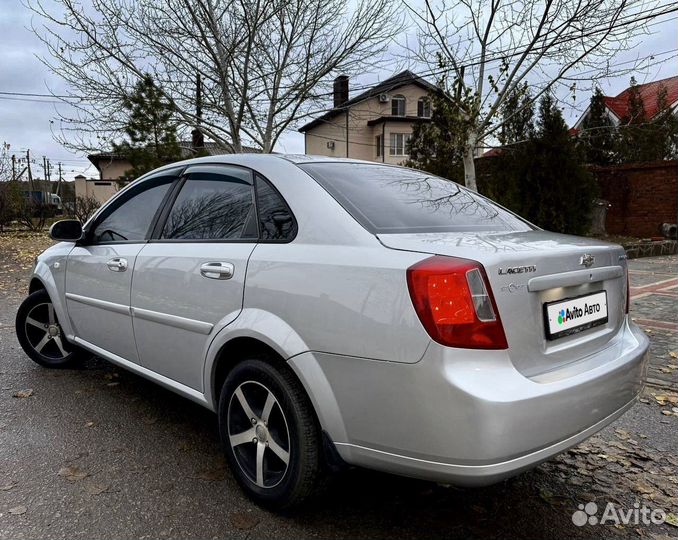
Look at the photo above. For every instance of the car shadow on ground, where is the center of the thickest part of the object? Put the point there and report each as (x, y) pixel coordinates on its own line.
(355, 502)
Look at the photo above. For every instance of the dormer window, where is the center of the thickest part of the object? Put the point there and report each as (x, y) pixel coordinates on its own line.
(398, 105)
(424, 107)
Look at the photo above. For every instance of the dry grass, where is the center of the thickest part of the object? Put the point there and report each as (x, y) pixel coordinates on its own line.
(18, 250)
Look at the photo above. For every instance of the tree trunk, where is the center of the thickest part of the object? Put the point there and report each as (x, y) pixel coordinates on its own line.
(236, 143)
(470, 164)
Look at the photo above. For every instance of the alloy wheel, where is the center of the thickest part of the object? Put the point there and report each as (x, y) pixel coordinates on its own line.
(44, 332)
(258, 434)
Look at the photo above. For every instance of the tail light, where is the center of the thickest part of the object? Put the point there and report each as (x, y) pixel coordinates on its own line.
(454, 302)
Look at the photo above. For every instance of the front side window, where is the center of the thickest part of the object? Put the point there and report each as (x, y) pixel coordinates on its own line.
(424, 107)
(387, 199)
(129, 217)
(398, 105)
(215, 203)
(398, 145)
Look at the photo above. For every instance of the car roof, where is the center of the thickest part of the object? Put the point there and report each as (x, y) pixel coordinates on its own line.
(252, 160)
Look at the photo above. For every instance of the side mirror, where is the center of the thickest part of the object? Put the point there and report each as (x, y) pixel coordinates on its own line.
(66, 230)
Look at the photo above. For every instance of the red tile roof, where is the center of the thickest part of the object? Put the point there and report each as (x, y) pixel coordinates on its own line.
(492, 152)
(619, 104)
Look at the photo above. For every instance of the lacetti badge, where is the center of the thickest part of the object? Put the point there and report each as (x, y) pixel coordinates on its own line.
(567, 314)
(517, 270)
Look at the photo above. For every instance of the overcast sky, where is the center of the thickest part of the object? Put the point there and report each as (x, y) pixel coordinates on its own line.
(25, 121)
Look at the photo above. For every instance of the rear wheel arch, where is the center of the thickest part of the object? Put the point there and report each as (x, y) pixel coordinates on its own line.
(233, 352)
(243, 348)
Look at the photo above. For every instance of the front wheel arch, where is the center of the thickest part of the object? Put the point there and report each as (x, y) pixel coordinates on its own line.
(36, 285)
(40, 334)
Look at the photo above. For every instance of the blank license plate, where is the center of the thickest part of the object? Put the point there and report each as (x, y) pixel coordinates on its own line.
(573, 315)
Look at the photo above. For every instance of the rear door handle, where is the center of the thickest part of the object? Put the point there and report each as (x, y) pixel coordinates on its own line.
(217, 270)
(117, 264)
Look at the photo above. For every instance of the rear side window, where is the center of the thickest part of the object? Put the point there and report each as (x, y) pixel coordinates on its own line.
(276, 222)
(129, 217)
(215, 203)
(398, 200)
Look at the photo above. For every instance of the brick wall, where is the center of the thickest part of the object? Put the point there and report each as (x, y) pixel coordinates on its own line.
(642, 195)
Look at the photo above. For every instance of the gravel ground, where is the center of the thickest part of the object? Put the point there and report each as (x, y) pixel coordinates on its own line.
(100, 453)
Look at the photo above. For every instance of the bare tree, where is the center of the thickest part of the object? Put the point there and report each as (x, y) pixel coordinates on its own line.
(32, 213)
(264, 64)
(84, 207)
(487, 49)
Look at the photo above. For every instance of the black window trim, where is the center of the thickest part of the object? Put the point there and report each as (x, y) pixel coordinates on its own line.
(168, 203)
(87, 238)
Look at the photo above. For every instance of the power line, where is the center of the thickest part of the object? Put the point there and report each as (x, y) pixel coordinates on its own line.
(33, 94)
(29, 99)
(516, 51)
(358, 128)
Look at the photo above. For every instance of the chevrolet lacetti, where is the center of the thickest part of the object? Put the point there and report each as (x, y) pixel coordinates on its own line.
(339, 312)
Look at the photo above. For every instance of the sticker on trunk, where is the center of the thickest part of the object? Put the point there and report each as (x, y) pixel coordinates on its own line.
(573, 315)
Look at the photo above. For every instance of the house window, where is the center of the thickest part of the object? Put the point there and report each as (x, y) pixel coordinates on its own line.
(379, 144)
(424, 107)
(399, 144)
(398, 105)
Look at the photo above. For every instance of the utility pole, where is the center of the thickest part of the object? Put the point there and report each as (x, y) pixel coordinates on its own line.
(58, 190)
(13, 167)
(46, 167)
(30, 173)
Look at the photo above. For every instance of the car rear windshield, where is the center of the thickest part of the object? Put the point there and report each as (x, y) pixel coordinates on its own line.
(387, 199)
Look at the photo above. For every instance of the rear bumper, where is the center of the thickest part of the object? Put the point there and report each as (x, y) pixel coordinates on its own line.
(469, 417)
(469, 475)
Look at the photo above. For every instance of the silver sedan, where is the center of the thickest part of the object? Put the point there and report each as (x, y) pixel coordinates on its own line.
(338, 312)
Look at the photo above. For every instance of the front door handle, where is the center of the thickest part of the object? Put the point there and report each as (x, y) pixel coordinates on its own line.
(217, 270)
(117, 264)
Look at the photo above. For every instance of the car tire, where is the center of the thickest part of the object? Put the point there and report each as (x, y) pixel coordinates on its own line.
(40, 334)
(270, 434)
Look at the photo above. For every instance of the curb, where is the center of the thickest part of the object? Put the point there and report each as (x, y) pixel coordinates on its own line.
(656, 248)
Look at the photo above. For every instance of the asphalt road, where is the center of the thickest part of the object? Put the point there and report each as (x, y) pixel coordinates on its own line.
(100, 453)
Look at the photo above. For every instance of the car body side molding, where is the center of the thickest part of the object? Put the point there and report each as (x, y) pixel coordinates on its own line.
(103, 304)
(192, 325)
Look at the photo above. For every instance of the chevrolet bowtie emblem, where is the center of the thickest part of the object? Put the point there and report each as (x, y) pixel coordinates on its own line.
(587, 260)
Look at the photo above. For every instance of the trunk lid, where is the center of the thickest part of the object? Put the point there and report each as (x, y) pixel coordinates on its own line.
(529, 269)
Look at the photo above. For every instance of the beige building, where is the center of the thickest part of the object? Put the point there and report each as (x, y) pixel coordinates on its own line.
(111, 166)
(101, 190)
(376, 124)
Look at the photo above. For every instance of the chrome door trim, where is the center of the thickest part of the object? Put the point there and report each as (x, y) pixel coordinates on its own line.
(190, 393)
(192, 325)
(103, 304)
(570, 279)
(217, 270)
